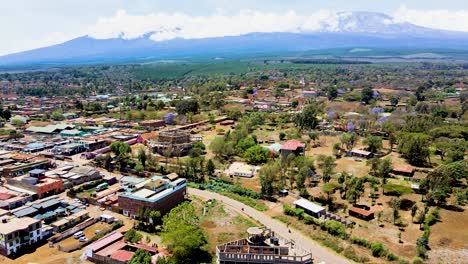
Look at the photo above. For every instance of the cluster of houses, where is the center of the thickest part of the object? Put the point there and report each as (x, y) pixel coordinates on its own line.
(27, 225)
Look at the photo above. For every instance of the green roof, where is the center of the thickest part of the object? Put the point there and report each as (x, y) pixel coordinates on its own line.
(72, 132)
(49, 129)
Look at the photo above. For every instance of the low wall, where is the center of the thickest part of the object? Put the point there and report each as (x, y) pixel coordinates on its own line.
(104, 260)
(73, 230)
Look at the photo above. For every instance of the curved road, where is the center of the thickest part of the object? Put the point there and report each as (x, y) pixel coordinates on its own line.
(319, 253)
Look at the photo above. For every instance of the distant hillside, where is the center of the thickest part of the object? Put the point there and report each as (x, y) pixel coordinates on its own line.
(353, 30)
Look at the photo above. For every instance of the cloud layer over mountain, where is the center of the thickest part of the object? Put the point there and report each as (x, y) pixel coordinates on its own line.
(168, 26)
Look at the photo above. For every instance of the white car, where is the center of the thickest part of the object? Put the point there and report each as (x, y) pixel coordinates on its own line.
(83, 239)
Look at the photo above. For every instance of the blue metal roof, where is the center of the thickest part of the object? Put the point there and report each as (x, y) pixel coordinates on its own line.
(45, 215)
(25, 212)
(36, 171)
(47, 204)
(76, 210)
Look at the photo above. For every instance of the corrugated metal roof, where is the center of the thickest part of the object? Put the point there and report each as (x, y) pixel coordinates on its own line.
(109, 239)
(26, 211)
(306, 204)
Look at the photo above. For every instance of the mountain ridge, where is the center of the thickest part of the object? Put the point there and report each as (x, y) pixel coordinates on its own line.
(346, 29)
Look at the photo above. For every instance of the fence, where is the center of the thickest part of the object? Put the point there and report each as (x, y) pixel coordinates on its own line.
(72, 231)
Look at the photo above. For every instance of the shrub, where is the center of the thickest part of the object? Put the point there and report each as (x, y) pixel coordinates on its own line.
(400, 223)
(309, 220)
(430, 220)
(361, 242)
(418, 260)
(377, 249)
(391, 256)
(334, 228)
(132, 236)
(288, 210)
(351, 254)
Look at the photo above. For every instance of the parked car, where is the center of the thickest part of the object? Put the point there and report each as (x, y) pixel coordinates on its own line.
(78, 234)
(358, 159)
(97, 232)
(83, 239)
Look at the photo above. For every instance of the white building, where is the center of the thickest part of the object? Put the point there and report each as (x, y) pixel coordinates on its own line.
(241, 169)
(16, 233)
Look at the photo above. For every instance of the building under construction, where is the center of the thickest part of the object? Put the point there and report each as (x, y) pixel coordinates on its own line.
(173, 142)
(262, 246)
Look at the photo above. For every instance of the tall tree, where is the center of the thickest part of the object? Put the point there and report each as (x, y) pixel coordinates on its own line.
(374, 143)
(349, 140)
(383, 169)
(327, 165)
(307, 119)
(367, 94)
(414, 147)
(183, 236)
(141, 256)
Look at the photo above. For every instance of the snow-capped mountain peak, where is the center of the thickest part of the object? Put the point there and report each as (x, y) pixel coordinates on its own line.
(368, 22)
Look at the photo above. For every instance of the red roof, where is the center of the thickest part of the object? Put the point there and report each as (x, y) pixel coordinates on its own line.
(5, 196)
(403, 168)
(110, 249)
(122, 255)
(147, 248)
(360, 211)
(109, 239)
(292, 145)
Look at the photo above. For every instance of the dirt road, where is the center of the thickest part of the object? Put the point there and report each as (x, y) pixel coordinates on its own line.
(319, 253)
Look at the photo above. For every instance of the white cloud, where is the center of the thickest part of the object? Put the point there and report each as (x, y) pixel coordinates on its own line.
(168, 26)
(441, 19)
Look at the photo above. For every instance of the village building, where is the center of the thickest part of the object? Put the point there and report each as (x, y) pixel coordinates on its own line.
(114, 250)
(12, 197)
(361, 213)
(38, 183)
(310, 208)
(173, 142)
(309, 94)
(70, 115)
(152, 124)
(72, 133)
(261, 246)
(403, 170)
(241, 169)
(292, 147)
(361, 153)
(156, 194)
(69, 149)
(76, 175)
(19, 233)
(21, 168)
(49, 129)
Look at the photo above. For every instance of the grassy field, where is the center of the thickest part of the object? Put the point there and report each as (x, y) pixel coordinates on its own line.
(221, 224)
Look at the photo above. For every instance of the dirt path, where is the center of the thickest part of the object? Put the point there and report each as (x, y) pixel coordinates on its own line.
(319, 253)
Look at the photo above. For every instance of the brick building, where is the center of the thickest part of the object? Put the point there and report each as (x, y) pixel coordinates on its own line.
(157, 194)
(152, 124)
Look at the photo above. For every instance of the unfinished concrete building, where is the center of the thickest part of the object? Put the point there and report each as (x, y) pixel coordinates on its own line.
(173, 142)
(262, 246)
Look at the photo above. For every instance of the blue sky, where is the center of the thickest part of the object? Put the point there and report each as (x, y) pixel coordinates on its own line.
(28, 24)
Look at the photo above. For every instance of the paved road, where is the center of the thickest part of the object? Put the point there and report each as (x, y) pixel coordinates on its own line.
(319, 252)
